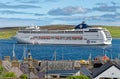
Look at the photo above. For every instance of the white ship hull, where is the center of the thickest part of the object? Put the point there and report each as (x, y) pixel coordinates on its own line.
(84, 38)
(82, 42)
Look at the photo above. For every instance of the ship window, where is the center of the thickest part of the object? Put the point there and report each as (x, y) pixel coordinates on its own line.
(93, 29)
(107, 34)
(93, 41)
(51, 32)
(73, 31)
(90, 31)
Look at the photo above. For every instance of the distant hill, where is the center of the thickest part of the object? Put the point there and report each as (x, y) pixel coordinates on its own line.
(8, 32)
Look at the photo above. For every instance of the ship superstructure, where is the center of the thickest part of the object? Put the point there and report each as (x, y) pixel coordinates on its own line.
(82, 34)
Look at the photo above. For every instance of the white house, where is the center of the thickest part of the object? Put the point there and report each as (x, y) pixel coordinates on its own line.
(110, 70)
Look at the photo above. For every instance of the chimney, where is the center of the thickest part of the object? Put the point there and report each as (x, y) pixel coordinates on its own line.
(15, 63)
(7, 58)
(31, 69)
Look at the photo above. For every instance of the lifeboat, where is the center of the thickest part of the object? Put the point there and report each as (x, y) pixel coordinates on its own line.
(77, 37)
(57, 37)
(44, 37)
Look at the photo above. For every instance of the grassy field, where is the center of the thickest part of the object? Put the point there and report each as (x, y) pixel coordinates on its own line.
(7, 33)
(115, 31)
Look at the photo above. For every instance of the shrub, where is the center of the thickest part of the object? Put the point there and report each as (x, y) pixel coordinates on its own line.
(1, 70)
(23, 76)
(78, 77)
(9, 75)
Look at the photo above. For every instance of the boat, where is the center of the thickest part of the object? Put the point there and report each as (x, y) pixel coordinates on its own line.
(82, 34)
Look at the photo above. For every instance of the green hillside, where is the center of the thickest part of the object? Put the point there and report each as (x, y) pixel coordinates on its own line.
(115, 31)
(7, 33)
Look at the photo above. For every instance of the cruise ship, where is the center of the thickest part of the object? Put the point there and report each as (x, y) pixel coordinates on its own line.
(82, 34)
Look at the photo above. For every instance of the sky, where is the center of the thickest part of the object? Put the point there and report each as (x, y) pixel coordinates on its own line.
(51, 12)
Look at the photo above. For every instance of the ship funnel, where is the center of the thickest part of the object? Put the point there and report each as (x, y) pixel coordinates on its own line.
(81, 26)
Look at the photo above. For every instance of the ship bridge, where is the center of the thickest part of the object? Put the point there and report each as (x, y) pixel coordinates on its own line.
(81, 26)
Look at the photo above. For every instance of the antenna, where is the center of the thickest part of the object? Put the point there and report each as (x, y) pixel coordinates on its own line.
(0, 56)
(112, 56)
(13, 52)
(24, 56)
(118, 56)
(54, 55)
(103, 51)
(90, 57)
(24, 53)
(62, 56)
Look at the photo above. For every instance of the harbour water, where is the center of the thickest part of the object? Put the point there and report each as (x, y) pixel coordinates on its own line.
(63, 52)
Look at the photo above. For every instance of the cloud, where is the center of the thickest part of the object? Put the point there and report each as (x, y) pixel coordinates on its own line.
(67, 11)
(35, 1)
(110, 3)
(28, 1)
(106, 8)
(68, 18)
(105, 19)
(51, 0)
(103, 7)
(10, 12)
(37, 14)
(114, 3)
(101, 4)
(13, 12)
(9, 22)
(99, 19)
(9, 6)
(111, 17)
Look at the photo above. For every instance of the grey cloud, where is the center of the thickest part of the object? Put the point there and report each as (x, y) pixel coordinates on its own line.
(70, 18)
(109, 16)
(105, 4)
(18, 12)
(37, 14)
(106, 8)
(35, 1)
(67, 11)
(28, 1)
(51, 0)
(105, 18)
(103, 7)
(102, 18)
(22, 22)
(101, 4)
(114, 3)
(9, 6)
(12, 12)
(112, 17)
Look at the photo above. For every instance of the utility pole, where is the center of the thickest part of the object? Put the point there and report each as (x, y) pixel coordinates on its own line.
(29, 55)
(47, 68)
(62, 56)
(54, 55)
(13, 52)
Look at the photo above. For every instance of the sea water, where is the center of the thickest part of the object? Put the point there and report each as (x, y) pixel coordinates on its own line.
(61, 52)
